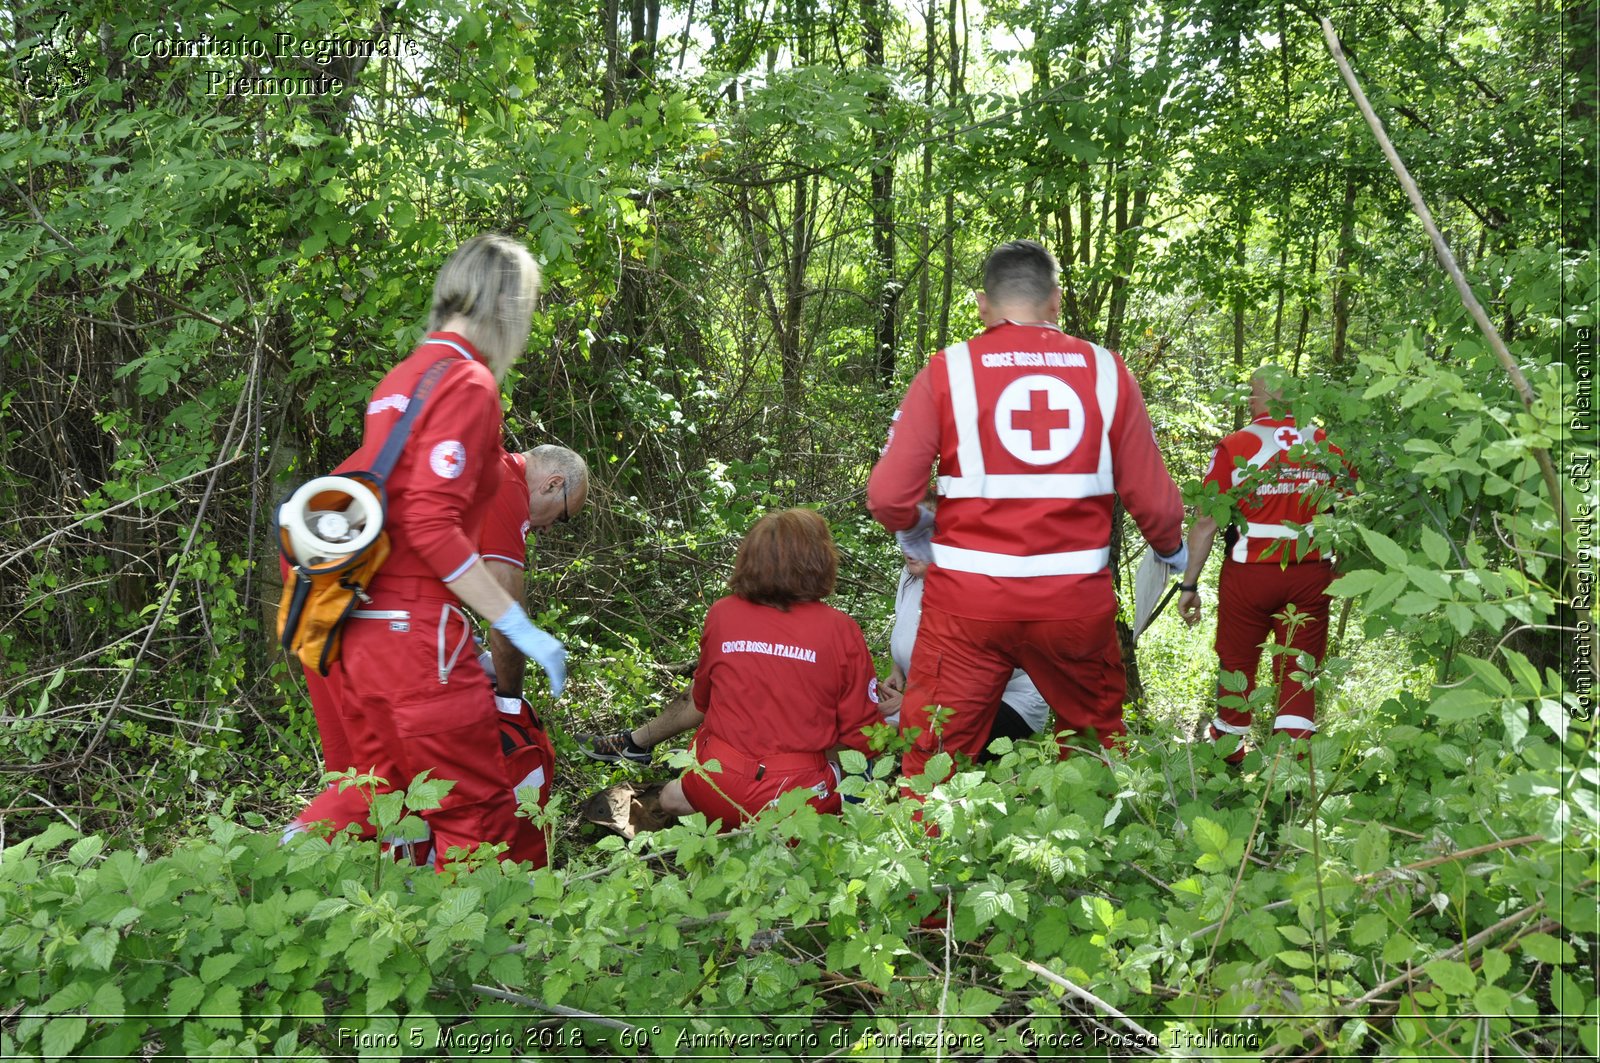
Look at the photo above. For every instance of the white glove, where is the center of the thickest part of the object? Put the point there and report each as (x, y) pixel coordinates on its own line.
(1177, 561)
(916, 542)
(539, 646)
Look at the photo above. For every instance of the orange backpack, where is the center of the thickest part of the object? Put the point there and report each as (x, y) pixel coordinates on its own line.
(313, 611)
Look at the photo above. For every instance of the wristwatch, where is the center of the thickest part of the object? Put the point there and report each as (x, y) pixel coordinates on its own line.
(1189, 588)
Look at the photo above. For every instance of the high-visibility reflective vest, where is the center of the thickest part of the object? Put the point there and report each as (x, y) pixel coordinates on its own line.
(1278, 509)
(1026, 481)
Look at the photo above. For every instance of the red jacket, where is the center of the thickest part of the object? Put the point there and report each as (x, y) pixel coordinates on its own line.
(1290, 492)
(771, 681)
(1034, 432)
(505, 524)
(448, 471)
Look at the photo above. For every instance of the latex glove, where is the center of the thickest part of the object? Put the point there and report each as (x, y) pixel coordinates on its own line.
(538, 646)
(916, 542)
(1177, 561)
(486, 662)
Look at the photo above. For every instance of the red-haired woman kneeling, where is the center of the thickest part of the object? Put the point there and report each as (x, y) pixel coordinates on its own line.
(784, 680)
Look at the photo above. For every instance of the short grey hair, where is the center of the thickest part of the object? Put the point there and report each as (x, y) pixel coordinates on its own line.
(551, 460)
(493, 282)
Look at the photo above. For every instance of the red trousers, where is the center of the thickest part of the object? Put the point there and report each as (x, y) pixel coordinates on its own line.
(964, 664)
(411, 696)
(745, 785)
(1251, 602)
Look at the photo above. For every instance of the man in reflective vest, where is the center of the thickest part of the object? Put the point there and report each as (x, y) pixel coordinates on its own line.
(1278, 476)
(1034, 433)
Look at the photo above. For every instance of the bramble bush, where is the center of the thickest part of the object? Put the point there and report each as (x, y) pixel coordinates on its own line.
(1373, 899)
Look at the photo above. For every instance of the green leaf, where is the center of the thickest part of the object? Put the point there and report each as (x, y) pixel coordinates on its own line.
(1370, 929)
(1359, 582)
(186, 995)
(1462, 703)
(1525, 672)
(62, 1035)
(1298, 961)
(1546, 949)
(1491, 1000)
(107, 1001)
(214, 967)
(1384, 548)
(99, 946)
(979, 1002)
(86, 849)
(1436, 547)
(1495, 963)
(1213, 837)
(1452, 976)
(1371, 850)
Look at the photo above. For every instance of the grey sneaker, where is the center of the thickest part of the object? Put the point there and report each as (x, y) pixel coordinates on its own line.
(613, 748)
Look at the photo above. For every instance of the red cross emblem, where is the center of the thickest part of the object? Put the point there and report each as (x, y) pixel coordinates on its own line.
(1287, 437)
(448, 459)
(1040, 419)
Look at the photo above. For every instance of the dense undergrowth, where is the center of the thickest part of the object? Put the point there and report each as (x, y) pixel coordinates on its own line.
(1372, 899)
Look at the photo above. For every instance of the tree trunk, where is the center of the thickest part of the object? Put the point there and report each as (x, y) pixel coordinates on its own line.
(1341, 278)
(882, 181)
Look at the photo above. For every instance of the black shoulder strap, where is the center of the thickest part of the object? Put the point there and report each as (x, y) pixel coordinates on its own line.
(402, 429)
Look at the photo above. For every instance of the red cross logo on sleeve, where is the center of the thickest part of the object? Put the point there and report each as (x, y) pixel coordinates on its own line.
(448, 459)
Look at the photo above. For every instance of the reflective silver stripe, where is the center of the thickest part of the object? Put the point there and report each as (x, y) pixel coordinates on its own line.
(1294, 723)
(448, 666)
(1229, 728)
(382, 614)
(985, 563)
(1105, 393)
(1027, 485)
(453, 346)
(504, 560)
(462, 570)
(1241, 546)
(1275, 531)
(964, 405)
(976, 482)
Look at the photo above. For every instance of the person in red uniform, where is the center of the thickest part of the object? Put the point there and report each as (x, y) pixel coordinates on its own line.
(785, 681)
(411, 697)
(1034, 432)
(537, 489)
(1279, 476)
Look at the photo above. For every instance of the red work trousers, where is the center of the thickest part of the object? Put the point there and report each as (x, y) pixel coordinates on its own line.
(413, 698)
(1250, 605)
(964, 664)
(745, 784)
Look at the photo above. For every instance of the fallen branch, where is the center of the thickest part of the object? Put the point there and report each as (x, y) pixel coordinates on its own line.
(1147, 1040)
(1465, 854)
(556, 1009)
(1412, 973)
(1524, 390)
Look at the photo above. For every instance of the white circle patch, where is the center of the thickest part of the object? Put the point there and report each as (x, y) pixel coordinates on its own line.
(448, 460)
(1286, 437)
(1039, 419)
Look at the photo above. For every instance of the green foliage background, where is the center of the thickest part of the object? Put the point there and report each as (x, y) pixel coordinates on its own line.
(755, 222)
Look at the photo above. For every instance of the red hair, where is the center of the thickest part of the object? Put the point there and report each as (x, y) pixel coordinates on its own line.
(786, 557)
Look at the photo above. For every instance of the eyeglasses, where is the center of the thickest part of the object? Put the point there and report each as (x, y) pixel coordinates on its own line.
(565, 516)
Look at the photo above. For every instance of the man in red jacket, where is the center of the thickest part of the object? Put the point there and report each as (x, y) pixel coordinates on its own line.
(1279, 476)
(1033, 432)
